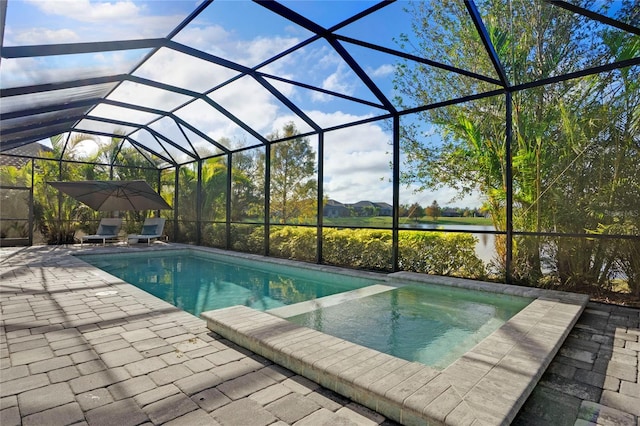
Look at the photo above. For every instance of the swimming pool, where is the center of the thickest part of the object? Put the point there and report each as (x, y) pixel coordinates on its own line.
(433, 325)
(430, 324)
(196, 281)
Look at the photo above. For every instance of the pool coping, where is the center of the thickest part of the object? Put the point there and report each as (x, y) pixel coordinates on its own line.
(487, 385)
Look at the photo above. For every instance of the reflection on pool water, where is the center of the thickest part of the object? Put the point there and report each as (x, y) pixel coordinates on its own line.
(433, 325)
(197, 282)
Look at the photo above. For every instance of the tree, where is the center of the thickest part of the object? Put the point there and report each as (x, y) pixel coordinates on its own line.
(247, 190)
(567, 158)
(433, 211)
(292, 171)
(416, 211)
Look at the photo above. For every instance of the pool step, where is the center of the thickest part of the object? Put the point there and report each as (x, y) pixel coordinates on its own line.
(324, 302)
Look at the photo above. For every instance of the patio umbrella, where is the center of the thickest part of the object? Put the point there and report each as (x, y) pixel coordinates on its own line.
(114, 195)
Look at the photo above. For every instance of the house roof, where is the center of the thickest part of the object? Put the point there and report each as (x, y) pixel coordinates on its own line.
(21, 154)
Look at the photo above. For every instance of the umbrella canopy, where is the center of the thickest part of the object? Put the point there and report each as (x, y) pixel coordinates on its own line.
(114, 195)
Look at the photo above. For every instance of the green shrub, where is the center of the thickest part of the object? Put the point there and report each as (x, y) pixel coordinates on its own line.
(427, 252)
(440, 253)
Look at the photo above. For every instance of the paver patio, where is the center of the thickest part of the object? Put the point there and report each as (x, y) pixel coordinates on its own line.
(74, 352)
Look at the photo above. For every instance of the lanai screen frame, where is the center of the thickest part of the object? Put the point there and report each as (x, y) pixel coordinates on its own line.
(35, 130)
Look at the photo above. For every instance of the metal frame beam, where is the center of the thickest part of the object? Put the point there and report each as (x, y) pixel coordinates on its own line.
(79, 48)
(486, 41)
(594, 15)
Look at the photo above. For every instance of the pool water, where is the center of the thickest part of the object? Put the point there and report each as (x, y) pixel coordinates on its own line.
(198, 282)
(430, 324)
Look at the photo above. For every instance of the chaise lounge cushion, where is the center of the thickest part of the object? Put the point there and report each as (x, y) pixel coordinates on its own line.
(107, 230)
(149, 230)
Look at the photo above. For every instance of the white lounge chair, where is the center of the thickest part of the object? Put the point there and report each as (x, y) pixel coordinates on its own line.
(108, 230)
(152, 229)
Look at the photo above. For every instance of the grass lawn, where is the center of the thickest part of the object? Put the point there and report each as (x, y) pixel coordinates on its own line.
(385, 221)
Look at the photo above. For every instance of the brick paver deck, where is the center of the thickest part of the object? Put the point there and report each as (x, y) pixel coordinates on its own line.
(80, 347)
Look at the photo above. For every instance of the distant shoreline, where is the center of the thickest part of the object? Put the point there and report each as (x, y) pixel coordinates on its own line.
(385, 221)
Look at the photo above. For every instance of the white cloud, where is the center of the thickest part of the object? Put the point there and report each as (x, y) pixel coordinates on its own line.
(211, 38)
(257, 50)
(86, 20)
(383, 70)
(87, 11)
(46, 36)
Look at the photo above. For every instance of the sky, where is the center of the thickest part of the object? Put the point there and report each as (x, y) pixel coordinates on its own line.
(357, 161)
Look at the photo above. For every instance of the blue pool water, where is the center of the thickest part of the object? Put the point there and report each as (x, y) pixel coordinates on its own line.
(430, 324)
(198, 282)
(433, 325)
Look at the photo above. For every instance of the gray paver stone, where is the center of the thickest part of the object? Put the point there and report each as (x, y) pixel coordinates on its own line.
(131, 387)
(194, 418)
(73, 349)
(324, 417)
(98, 380)
(270, 394)
(292, 407)
(31, 355)
(161, 350)
(199, 364)
(94, 399)
(360, 414)
(631, 389)
(590, 377)
(173, 357)
(63, 374)
(156, 394)
(29, 344)
(63, 415)
(622, 371)
(243, 412)
(276, 372)
(621, 402)
(603, 415)
(300, 384)
(198, 382)
(245, 385)
(571, 387)
(151, 344)
(17, 372)
(41, 399)
(10, 416)
(169, 374)
(113, 345)
(139, 334)
(90, 367)
(121, 357)
(50, 364)
(328, 399)
(84, 356)
(169, 408)
(210, 399)
(23, 384)
(191, 345)
(121, 413)
(63, 334)
(224, 356)
(145, 366)
(8, 401)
